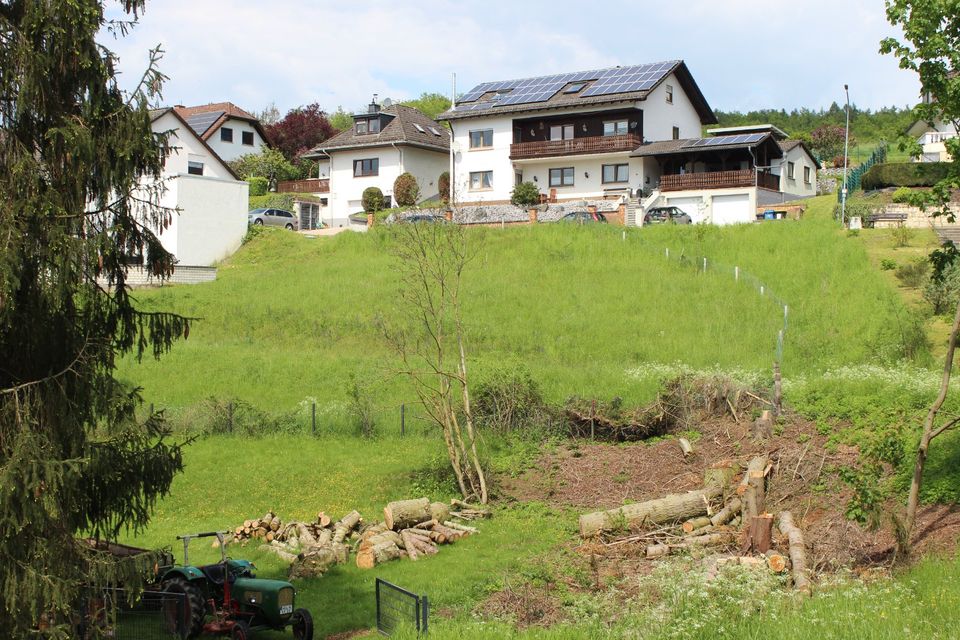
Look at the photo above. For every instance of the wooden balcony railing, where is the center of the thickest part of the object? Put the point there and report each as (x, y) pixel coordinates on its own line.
(719, 180)
(575, 146)
(311, 185)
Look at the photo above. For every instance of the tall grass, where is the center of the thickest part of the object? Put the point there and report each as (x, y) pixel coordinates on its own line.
(292, 318)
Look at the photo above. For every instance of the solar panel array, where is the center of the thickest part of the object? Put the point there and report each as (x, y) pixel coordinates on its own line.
(531, 90)
(719, 141)
(202, 121)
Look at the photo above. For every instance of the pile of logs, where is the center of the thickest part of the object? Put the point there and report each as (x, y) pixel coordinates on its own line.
(718, 515)
(410, 529)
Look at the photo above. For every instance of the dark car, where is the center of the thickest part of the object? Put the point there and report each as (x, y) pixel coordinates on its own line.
(660, 215)
(273, 218)
(583, 217)
(415, 218)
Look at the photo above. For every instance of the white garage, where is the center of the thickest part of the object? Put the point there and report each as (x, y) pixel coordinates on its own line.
(691, 205)
(732, 209)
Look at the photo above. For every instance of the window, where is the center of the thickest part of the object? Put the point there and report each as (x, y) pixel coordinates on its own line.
(481, 180)
(226, 134)
(615, 128)
(363, 168)
(676, 133)
(195, 168)
(616, 173)
(247, 138)
(561, 132)
(806, 175)
(561, 177)
(435, 131)
(362, 127)
(419, 128)
(790, 170)
(373, 125)
(481, 139)
(669, 94)
(575, 87)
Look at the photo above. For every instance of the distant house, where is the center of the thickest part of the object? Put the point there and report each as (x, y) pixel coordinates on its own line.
(211, 198)
(229, 130)
(381, 144)
(631, 133)
(931, 136)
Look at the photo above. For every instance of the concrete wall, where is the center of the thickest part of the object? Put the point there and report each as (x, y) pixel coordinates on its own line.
(426, 166)
(212, 220)
(188, 147)
(232, 150)
(346, 191)
(797, 185)
(659, 116)
(495, 159)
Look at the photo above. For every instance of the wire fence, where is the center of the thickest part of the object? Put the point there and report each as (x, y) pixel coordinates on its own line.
(855, 175)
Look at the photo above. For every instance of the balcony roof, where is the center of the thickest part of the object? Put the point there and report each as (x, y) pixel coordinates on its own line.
(708, 145)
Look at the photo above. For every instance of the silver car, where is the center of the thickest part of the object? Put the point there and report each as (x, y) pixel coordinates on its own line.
(273, 218)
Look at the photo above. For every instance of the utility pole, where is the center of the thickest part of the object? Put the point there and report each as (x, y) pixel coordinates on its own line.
(846, 147)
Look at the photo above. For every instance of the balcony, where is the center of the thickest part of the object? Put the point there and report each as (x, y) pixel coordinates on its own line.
(574, 146)
(719, 180)
(936, 137)
(311, 185)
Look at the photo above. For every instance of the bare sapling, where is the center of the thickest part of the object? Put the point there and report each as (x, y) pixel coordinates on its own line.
(430, 339)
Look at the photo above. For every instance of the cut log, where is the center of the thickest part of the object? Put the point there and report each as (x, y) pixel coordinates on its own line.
(695, 523)
(758, 464)
(460, 527)
(797, 550)
(720, 473)
(776, 561)
(425, 546)
(661, 550)
(702, 530)
(346, 524)
(439, 511)
(318, 560)
(670, 508)
(275, 524)
(323, 519)
(438, 537)
(685, 447)
(429, 524)
(406, 513)
(452, 535)
(378, 554)
(763, 426)
(759, 534)
(409, 544)
(728, 513)
(380, 538)
(283, 554)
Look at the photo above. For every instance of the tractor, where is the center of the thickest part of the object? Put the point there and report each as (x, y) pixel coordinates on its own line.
(227, 599)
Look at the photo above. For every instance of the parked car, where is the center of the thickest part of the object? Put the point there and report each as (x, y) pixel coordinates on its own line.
(660, 215)
(583, 217)
(415, 218)
(273, 218)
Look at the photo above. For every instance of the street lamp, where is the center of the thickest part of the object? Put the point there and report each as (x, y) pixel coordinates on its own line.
(846, 146)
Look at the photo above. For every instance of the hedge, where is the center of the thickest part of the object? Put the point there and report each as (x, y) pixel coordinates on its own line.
(904, 174)
(258, 186)
(280, 200)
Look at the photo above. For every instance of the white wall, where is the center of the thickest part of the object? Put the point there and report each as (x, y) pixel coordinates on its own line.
(495, 158)
(426, 166)
(232, 150)
(796, 185)
(659, 116)
(187, 144)
(346, 191)
(583, 186)
(699, 204)
(212, 220)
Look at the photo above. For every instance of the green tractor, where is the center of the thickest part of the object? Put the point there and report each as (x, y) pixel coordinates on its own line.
(227, 599)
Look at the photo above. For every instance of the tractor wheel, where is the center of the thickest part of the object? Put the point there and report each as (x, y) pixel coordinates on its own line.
(195, 612)
(240, 631)
(301, 623)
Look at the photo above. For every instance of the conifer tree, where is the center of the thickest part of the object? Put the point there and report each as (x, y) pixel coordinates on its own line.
(80, 186)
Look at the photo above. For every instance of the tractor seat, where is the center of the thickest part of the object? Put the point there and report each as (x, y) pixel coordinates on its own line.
(214, 573)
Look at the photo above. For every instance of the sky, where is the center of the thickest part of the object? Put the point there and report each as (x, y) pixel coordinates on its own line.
(744, 54)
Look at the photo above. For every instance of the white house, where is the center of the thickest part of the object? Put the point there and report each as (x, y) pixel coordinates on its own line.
(381, 145)
(211, 198)
(229, 130)
(931, 136)
(630, 133)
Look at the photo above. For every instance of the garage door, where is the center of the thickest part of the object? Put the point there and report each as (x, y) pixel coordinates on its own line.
(732, 209)
(690, 205)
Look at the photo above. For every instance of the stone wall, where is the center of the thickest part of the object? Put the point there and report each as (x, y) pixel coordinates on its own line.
(139, 277)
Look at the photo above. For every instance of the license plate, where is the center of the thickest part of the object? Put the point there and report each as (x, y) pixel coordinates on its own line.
(285, 609)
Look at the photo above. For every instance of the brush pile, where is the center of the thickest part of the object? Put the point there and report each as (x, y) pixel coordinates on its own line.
(410, 529)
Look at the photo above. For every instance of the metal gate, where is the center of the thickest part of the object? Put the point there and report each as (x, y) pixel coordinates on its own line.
(398, 609)
(154, 615)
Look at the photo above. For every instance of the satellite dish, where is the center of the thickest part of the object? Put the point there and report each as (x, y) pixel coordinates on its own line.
(387, 102)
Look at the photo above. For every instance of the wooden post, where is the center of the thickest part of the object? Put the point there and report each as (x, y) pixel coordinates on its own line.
(403, 419)
(151, 408)
(622, 214)
(777, 390)
(313, 418)
(593, 412)
(448, 215)
(532, 211)
(229, 417)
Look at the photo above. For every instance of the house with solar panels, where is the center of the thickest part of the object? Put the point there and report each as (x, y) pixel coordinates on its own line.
(384, 141)
(210, 198)
(229, 130)
(631, 133)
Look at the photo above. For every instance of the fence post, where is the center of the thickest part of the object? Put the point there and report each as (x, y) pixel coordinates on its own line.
(426, 613)
(785, 309)
(736, 274)
(624, 236)
(761, 289)
(593, 412)
(403, 419)
(313, 418)
(229, 417)
(704, 265)
(667, 250)
(151, 408)
(777, 390)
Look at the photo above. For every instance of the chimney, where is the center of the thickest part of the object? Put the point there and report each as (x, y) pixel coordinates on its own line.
(374, 106)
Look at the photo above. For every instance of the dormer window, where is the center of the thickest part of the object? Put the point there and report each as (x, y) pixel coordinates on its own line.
(362, 127)
(367, 125)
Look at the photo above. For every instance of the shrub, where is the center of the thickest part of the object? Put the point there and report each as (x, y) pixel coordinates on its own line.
(258, 185)
(509, 399)
(888, 264)
(443, 185)
(525, 194)
(902, 195)
(902, 235)
(914, 273)
(904, 174)
(372, 199)
(838, 161)
(406, 191)
(943, 293)
(272, 201)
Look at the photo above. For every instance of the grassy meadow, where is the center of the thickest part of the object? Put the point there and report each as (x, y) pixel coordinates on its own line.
(589, 311)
